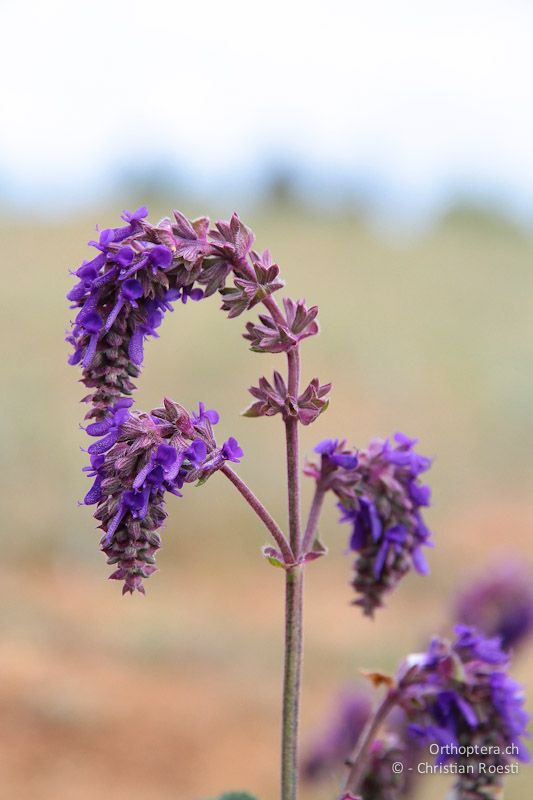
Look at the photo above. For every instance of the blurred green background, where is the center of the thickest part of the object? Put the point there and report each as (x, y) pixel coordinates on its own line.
(176, 695)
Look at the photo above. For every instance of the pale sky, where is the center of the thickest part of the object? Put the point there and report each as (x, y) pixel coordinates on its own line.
(413, 98)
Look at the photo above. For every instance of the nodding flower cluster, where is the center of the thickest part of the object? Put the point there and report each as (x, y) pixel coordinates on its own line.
(141, 270)
(140, 458)
(381, 496)
(459, 696)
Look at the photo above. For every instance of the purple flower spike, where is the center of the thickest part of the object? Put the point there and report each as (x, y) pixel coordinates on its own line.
(388, 531)
(380, 496)
(122, 295)
(140, 459)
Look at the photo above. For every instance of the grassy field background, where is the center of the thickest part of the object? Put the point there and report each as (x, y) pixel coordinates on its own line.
(176, 695)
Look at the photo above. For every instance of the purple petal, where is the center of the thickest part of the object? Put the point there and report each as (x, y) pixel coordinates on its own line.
(98, 428)
(91, 350)
(380, 558)
(94, 494)
(419, 561)
(136, 347)
(132, 289)
(104, 444)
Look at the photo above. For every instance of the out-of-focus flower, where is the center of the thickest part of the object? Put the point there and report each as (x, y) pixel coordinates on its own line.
(460, 694)
(335, 744)
(140, 458)
(381, 781)
(499, 604)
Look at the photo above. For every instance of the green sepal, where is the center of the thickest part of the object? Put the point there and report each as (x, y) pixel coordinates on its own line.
(249, 412)
(324, 407)
(275, 562)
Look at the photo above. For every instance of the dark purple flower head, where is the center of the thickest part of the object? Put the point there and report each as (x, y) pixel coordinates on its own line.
(140, 458)
(121, 297)
(500, 604)
(381, 497)
(460, 693)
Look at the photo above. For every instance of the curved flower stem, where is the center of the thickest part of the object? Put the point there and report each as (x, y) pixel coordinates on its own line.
(293, 602)
(358, 760)
(312, 520)
(261, 512)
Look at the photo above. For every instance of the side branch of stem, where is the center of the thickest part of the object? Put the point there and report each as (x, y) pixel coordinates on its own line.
(358, 760)
(312, 520)
(262, 513)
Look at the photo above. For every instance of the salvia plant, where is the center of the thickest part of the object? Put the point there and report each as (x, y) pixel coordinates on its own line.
(456, 693)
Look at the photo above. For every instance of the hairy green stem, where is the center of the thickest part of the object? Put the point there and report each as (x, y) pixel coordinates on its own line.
(293, 602)
(291, 682)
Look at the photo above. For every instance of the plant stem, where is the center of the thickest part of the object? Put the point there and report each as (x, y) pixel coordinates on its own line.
(261, 512)
(293, 602)
(358, 760)
(291, 682)
(293, 468)
(312, 520)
